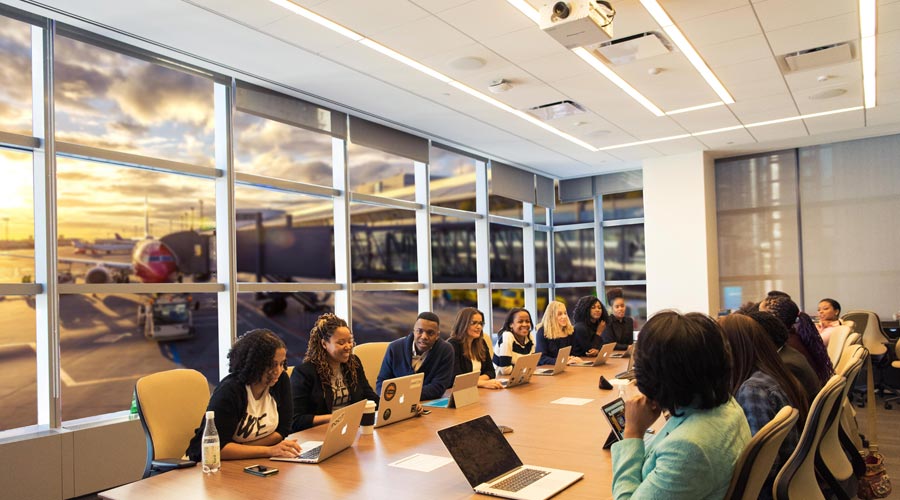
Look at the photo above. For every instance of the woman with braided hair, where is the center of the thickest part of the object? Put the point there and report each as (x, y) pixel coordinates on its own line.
(803, 335)
(330, 377)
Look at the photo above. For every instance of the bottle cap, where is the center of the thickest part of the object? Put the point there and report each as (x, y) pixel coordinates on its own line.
(210, 414)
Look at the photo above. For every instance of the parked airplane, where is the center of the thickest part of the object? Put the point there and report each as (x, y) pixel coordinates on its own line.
(104, 246)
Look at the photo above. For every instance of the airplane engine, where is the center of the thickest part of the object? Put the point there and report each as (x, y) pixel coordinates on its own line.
(98, 275)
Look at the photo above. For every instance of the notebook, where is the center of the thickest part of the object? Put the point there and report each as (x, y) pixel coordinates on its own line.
(340, 435)
(399, 398)
(522, 370)
(464, 392)
(562, 360)
(601, 358)
(492, 467)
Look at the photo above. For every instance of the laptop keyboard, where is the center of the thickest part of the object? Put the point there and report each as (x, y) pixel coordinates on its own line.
(311, 454)
(519, 480)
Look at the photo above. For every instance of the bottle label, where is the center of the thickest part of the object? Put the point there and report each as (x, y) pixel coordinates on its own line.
(211, 455)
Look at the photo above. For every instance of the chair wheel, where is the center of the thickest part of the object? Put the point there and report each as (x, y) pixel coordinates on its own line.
(888, 406)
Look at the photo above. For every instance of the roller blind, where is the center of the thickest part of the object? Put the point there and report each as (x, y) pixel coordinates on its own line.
(375, 136)
(289, 110)
(512, 182)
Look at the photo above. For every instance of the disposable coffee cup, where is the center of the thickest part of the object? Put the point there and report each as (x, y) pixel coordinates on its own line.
(367, 425)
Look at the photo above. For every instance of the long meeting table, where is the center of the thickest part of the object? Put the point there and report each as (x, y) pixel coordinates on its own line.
(545, 434)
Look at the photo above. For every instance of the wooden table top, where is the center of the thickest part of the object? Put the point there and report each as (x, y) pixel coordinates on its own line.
(544, 434)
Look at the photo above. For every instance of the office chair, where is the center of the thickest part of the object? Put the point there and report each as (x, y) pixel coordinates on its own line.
(797, 479)
(755, 462)
(868, 324)
(837, 342)
(170, 404)
(371, 354)
(837, 458)
(895, 365)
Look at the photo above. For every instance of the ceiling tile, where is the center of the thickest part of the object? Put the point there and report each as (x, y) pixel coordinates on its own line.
(721, 27)
(684, 10)
(678, 146)
(726, 139)
(370, 17)
(305, 34)
(422, 38)
(253, 14)
(779, 131)
(778, 14)
(439, 5)
(737, 51)
(485, 18)
(706, 119)
(766, 108)
(884, 114)
(525, 45)
(814, 34)
(831, 123)
(889, 17)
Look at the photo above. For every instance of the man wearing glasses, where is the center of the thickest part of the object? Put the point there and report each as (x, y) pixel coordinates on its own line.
(422, 351)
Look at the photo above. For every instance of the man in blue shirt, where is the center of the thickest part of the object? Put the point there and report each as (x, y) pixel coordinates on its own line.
(422, 351)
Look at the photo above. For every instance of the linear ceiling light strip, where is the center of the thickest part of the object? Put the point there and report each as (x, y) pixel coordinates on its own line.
(611, 75)
(867, 29)
(678, 38)
(387, 51)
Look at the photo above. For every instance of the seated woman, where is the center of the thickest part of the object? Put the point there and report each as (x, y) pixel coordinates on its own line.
(513, 340)
(471, 352)
(589, 318)
(556, 332)
(620, 328)
(252, 404)
(762, 385)
(802, 334)
(790, 357)
(683, 367)
(829, 317)
(330, 377)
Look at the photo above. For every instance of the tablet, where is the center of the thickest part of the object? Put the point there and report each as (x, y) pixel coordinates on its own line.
(614, 411)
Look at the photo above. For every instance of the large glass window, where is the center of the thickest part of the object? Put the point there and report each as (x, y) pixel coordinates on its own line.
(507, 256)
(283, 236)
(291, 316)
(111, 101)
(452, 180)
(575, 258)
(623, 253)
(541, 257)
(15, 76)
(108, 341)
(505, 207)
(18, 380)
(573, 213)
(385, 316)
(447, 304)
(635, 303)
(375, 172)
(383, 243)
(453, 250)
(628, 205)
(274, 149)
(570, 296)
(16, 217)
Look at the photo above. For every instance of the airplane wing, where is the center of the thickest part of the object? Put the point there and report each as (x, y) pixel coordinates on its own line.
(93, 262)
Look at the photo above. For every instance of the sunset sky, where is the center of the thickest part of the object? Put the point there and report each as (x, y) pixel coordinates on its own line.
(116, 102)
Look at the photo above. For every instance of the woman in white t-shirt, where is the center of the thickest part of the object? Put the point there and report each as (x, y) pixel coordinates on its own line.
(252, 404)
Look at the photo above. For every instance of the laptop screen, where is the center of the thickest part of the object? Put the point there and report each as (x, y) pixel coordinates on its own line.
(480, 449)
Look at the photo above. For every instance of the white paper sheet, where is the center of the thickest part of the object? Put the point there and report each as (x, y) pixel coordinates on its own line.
(422, 463)
(572, 401)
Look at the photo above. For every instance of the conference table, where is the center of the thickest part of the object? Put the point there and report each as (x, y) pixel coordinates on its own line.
(544, 433)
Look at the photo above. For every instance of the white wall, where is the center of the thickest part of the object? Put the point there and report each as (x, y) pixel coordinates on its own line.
(680, 234)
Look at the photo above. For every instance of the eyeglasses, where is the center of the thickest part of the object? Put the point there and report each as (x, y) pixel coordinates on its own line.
(477, 323)
(427, 333)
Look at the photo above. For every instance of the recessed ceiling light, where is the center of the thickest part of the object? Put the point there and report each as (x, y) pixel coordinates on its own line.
(467, 63)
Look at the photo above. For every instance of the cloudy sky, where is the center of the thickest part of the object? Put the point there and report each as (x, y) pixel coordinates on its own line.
(116, 102)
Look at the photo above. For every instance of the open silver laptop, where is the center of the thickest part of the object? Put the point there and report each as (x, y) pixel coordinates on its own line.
(562, 360)
(628, 374)
(340, 435)
(602, 356)
(399, 398)
(492, 467)
(624, 354)
(464, 392)
(522, 370)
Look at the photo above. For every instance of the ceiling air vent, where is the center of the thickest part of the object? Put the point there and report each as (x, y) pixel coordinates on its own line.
(828, 55)
(552, 111)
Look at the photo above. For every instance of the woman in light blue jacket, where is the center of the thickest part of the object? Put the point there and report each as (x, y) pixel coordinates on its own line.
(682, 365)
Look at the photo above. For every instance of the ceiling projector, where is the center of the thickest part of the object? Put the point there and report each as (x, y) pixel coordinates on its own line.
(578, 23)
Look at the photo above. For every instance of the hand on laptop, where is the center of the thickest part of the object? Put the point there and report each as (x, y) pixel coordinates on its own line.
(286, 448)
(574, 360)
(490, 384)
(592, 353)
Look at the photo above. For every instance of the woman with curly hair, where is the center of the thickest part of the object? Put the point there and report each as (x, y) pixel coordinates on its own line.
(252, 404)
(330, 377)
(802, 333)
(471, 352)
(589, 318)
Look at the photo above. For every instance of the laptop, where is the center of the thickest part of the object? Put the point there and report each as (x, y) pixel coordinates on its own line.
(522, 370)
(463, 393)
(628, 374)
(602, 356)
(562, 360)
(624, 354)
(492, 467)
(399, 398)
(340, 435)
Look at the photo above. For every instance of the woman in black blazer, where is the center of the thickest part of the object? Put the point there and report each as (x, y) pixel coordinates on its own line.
(330, 377)
(470, 349)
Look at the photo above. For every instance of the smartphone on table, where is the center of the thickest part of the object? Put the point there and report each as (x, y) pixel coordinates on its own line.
(260, 470)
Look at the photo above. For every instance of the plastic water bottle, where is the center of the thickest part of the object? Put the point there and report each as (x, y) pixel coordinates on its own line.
(210, 445)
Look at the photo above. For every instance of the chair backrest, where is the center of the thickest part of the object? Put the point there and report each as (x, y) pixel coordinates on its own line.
(830, 450)
(371, 354)
(837, 342)
(759, 455)
(490, 343)
(847, 355)
(171, 404)
(797, 479)
(849, 324)
(869, 325)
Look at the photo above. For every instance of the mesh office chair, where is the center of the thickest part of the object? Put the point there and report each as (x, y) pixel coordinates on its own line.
(371, 354)
(170, 404)
(837, 342)
(759, 455)
(797, 479)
